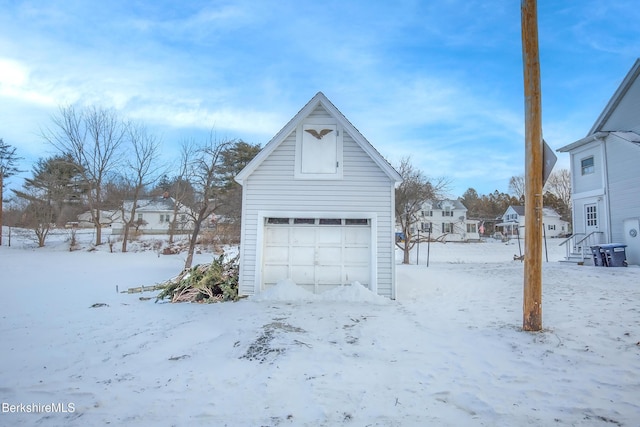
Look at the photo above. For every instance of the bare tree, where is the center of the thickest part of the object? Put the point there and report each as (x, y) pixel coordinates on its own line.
(8, 160)
(559, 184)
(140, 172)
(46, 194)
(204, 173)
(181, 188)
(516, 187)
(39, 213)
(92, 137)
(415, 189)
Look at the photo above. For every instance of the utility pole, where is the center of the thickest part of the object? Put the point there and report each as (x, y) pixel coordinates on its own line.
(532, 304)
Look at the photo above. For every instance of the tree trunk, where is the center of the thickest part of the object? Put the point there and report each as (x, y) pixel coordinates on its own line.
(192, 244)
(98, 228)
(172, 226)
(127, 225)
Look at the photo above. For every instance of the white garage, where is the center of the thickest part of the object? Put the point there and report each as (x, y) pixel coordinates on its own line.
(318, 208)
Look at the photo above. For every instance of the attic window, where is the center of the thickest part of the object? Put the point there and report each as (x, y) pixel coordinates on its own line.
(318, 150)
(587, 166)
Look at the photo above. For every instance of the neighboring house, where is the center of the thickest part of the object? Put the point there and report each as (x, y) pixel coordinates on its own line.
(447, 220)
(85, 221)
(605, 176)
(513, 221)
(153, 216)
(318, 207)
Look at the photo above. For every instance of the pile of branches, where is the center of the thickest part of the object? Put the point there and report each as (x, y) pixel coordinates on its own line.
(204, 283)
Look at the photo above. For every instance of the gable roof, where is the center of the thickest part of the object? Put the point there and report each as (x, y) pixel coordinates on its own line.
(622, 90)
(597, 132)
(519, 209)
(319, 99)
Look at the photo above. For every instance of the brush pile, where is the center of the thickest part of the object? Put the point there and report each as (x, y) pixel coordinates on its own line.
(204, 283)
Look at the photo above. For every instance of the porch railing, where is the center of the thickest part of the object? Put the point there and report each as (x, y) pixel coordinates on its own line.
(579, 244)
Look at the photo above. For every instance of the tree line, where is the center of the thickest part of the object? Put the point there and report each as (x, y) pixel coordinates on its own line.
(103, 162)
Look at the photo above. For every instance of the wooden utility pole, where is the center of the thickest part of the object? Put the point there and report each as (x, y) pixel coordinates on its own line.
(532, 304)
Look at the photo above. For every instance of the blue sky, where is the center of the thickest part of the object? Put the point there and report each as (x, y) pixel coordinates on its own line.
(440, 81)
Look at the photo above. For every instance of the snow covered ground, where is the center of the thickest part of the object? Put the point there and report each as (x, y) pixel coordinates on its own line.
(450, 351)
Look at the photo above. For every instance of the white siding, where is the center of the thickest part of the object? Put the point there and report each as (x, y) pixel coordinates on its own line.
(625, 116)
(624, 184)
(592, 181)
(364, 188)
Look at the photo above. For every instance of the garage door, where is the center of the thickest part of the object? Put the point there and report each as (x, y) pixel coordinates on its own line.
(317, 253)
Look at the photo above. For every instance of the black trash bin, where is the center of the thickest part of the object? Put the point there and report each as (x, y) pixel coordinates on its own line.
(614, 254)
(598, 256)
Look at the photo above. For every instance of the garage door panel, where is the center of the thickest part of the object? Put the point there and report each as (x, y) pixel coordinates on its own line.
(328, 255)
(329, 235)
(357, 235)
(303, 236)
(303, 275)
(327, 275)
(357, 255)
(359, 274)
(277, 235)
(274, 273)
(276, 254)
(302, 256)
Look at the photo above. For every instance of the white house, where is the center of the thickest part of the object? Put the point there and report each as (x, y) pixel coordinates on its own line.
(447, 220)
(513, 220)
(318, 207)
(153, 216)
(606, 177)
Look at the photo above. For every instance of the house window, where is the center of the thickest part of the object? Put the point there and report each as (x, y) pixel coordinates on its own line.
(164, 218)
(447, 212)
(183, 218)
(139, 217)
(471, 228)
(592, 216)
(551, 227)
(425, 227)
(447, 227)
(587, 165)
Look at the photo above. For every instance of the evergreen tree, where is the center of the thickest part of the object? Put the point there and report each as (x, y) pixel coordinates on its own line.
(8, 168)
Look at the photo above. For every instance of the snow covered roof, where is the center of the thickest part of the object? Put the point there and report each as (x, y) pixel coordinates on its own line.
(155, 204)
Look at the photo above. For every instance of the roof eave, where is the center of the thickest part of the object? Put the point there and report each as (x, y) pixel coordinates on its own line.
(583, 141)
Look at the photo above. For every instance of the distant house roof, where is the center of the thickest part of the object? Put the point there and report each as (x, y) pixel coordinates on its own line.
(519, 210)
(440, 204)
(154, 204)
(548, 212)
